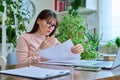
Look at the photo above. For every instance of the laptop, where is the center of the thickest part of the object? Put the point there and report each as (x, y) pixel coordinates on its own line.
(101, 64)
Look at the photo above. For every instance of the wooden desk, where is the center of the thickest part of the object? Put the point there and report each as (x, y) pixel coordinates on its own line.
(113, 74)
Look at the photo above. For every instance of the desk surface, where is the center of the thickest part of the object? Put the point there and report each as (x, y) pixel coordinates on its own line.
(113, 74)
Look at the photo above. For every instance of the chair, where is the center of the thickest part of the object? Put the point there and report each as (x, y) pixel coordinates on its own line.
(3, 62)
(12, 58)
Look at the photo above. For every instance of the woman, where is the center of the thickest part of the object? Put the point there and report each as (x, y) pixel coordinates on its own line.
(40, 37)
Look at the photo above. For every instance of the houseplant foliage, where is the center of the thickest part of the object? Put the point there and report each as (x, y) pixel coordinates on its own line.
(78, 3)
(91, 45)
(94, 39)
(15, 23)
(111, 46)
(73, 27)
(117, 41)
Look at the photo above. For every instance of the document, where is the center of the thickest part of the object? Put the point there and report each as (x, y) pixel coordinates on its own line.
(36, 72)
(60, 53)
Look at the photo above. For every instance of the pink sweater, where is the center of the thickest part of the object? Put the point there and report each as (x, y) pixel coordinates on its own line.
(28, 45)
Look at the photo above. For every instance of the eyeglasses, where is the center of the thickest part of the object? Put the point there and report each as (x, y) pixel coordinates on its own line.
(49, 25)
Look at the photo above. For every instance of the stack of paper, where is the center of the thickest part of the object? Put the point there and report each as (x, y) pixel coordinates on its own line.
(36, 72)
(60, 53)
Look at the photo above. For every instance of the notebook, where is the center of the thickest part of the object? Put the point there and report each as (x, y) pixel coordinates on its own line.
(36, 72)
(101, 64)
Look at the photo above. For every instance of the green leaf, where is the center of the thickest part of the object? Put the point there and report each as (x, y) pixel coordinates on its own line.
(117, 41)
(1, 8)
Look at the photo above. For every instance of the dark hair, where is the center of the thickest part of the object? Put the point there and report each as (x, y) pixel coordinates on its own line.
(45, 15)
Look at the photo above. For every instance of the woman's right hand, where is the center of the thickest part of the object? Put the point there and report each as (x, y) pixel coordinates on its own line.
(35, 58)
(48, 42)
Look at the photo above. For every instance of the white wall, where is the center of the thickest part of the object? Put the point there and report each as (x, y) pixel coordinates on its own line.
(40, 5)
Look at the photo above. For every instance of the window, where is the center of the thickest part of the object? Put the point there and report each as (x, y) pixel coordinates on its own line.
(109, 19)
(115, 18)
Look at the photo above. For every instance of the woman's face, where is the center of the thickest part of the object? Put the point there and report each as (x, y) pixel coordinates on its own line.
(46, 26)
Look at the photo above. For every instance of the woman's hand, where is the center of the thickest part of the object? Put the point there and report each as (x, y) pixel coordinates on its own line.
(77, 49)
(48, 42)
(37, 58)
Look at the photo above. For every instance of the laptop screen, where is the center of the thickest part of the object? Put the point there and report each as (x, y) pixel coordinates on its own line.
(117, 60)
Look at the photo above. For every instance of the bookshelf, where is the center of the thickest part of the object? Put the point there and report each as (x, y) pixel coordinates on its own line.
(62, 5)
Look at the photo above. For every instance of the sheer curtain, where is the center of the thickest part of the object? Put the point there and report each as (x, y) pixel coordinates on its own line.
(115, 18)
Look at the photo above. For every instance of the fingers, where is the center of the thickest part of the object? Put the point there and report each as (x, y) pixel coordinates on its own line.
(35, 58)
(43, 59)
(77, 49)
(49, 41)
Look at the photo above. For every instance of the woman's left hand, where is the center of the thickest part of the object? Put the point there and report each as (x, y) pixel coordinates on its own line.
(77, 49)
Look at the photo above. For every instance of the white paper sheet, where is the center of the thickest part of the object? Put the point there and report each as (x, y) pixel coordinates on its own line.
(60, 53)
(36, 72)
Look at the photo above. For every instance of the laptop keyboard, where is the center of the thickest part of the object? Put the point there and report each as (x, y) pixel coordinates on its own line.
(102, 63)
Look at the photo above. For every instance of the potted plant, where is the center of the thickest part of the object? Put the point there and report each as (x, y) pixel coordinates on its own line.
(94, 39)
(73, 27)
(111, 47)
